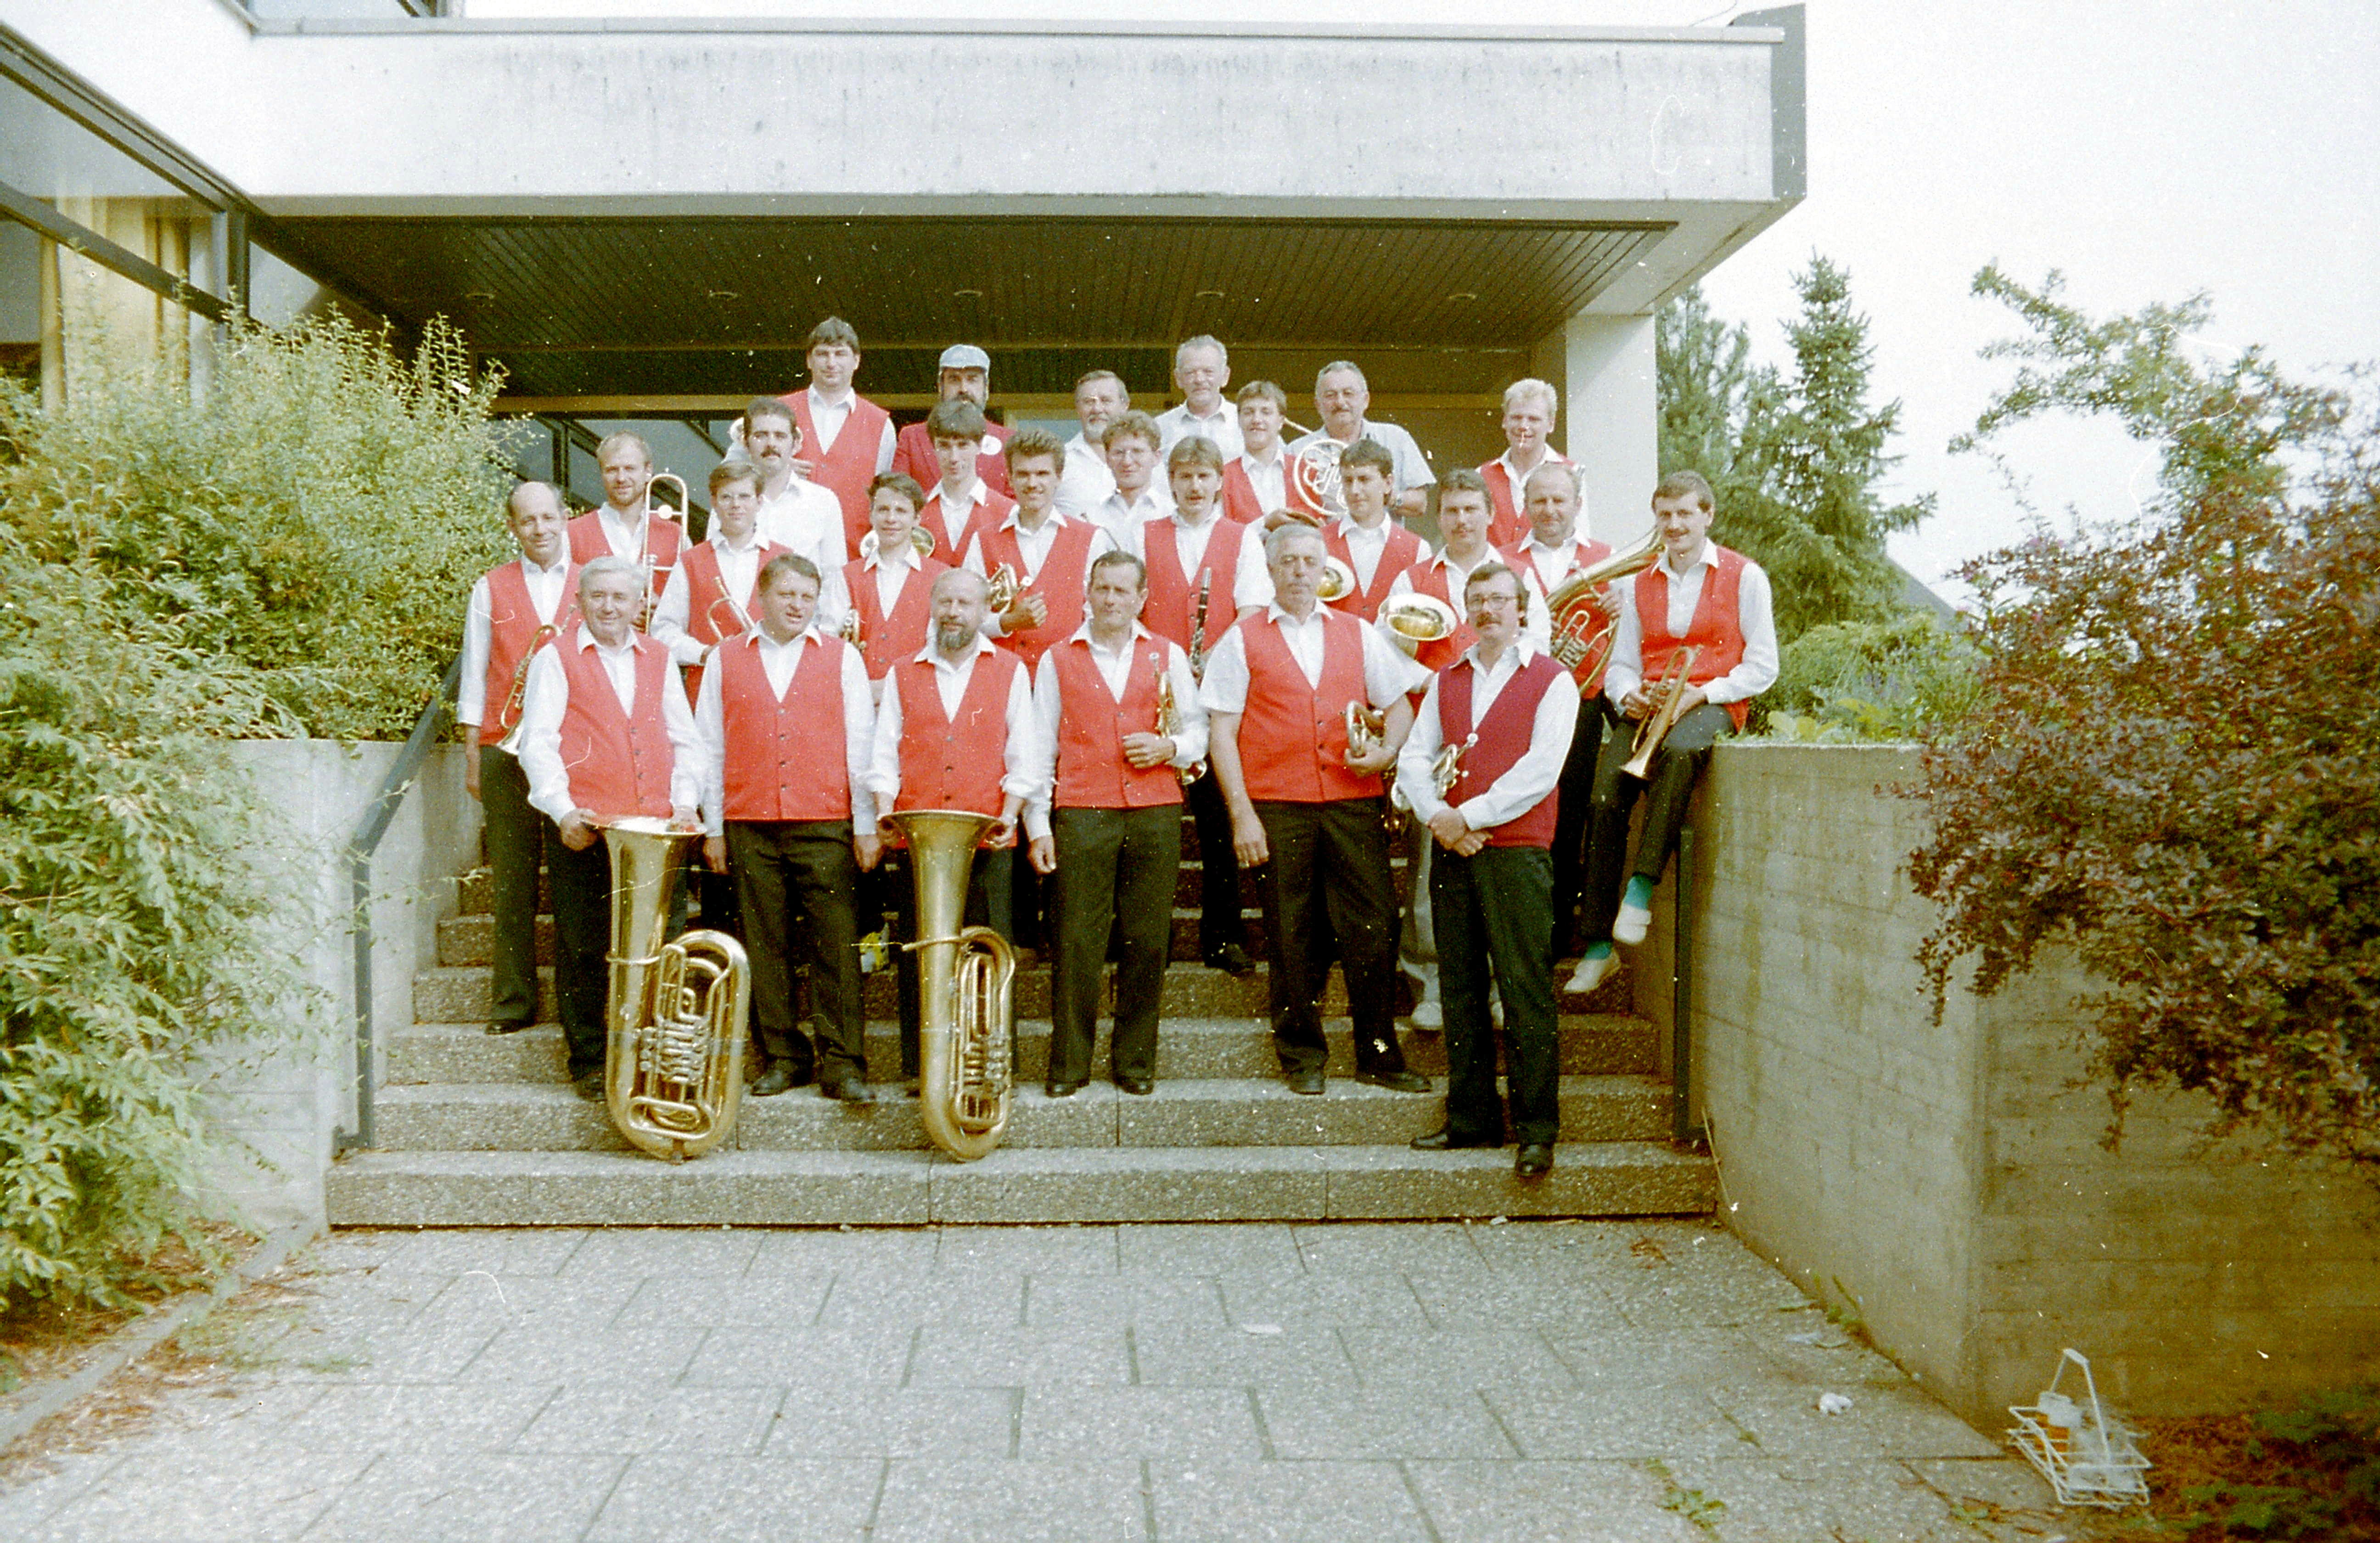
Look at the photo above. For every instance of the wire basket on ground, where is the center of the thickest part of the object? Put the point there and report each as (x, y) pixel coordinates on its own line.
(2087, 1458)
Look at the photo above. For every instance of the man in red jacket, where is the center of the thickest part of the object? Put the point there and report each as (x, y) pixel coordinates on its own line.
(606, 733)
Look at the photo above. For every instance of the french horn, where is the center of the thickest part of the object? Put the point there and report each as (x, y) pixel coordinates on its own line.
(1338, 581)
(675, 1014)
(1313, 472)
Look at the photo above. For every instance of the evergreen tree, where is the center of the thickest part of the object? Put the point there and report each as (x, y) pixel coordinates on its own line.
(1793, 458)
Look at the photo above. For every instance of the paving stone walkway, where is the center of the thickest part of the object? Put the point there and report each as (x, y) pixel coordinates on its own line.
(1453, 1382)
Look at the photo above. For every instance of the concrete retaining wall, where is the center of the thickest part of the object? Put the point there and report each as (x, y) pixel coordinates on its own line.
(1946, 1181)
(288, 1107)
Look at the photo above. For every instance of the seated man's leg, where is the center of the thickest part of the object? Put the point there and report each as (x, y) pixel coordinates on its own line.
(1677, 767)
(1612, 798)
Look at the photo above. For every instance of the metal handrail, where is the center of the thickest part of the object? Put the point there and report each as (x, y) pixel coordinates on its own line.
(378, 815)
(1681, 996)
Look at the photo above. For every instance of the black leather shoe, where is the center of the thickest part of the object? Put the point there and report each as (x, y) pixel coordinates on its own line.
(1396, 1082)
(777, 1079)
(507, 1027)
(847, 1090)
(1307, 1081)
(1535, 1160)
(1139, 1087)
(1232, 959)
(1441, 1140)
(589, 1086)
(1063, 1089)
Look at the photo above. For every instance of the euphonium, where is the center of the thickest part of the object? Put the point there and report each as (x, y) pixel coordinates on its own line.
(1168, 723)
(675, 1014)
(1419, 617)
(1582, 635)
(964, 976)
(1668, 692)
(1338, 581)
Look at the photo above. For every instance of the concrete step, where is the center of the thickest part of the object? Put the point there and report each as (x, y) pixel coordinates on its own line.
(1014, 1185)
(534, 1116)
(459, 994)
(1592, 1044)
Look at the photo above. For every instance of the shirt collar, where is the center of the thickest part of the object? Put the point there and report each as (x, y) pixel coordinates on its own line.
(1348, 529)
(1273, 610)
(559, 565)
(850, 394)
(1516, 476)
(1520, 652)
(761, 638)
(753, 541)
(873, 556)
(1279, 455)
(1709, 558)
(1445, 559)
(930, 655)
(587, 639)
(1015, 521)
(978, 491)
(1083, 634)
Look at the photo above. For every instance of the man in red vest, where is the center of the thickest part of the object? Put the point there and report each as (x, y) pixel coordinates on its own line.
(961, 502)
(1256, 481)
(888, 585)
(793, 824)
(516, 609)
(606, 733)
(1048, 554)
(964, 374)
(710, 592)
(627, 526)
(1504, 709)
(954, 730)
(1111, 828)
(1699, 596)
(1306, 806)
(1376, 548)
(1529, 409)
(849, 440)
(1205, 572)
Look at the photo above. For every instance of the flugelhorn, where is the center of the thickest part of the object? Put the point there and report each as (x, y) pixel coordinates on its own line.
(1419, 617)
(965, 981)
(1169, 721)
(509, 718)
(1338, 581)
(1581, 635)
(738, 619)
(1667, 694)
(675, 1014)
(1446, 766)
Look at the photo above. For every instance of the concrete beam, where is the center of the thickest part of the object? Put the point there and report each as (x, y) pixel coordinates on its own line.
(1611, 416)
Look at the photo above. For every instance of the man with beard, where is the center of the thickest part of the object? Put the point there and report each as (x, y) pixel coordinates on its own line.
(963, 375)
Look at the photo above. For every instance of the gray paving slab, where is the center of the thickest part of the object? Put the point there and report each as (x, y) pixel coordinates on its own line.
(1309, 1423)
(1792, 1500)
(939, 1499)
(1209, 1248)
(986, 1300)
(1183, 1302)
(1243, 1357)
(780, 1298)
(803, 1355)
(554, 1352)
(896, 1422)
(713, 1422)
(409, 1417)
(1030, 1250)
(1638, 1423)
(1381, 1299)
(1067, 1355)
(1070, 1424)
(888, 1250)
(1530, 1503)
(739, 1500)
(189, 1497)
(1518, 1360)
(1419, 1249)
(675, 1252)
(430, 1498)
(1285, 1503)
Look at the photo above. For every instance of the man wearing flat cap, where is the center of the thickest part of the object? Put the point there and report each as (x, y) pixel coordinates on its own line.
(964, 373)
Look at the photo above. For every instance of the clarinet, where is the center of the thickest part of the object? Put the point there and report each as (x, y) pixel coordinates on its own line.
(1198, 624)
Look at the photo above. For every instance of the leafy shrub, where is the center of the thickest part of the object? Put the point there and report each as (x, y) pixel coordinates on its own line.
(2170, 759)
(1866, 680)
(2309, 1472)
(315, 515)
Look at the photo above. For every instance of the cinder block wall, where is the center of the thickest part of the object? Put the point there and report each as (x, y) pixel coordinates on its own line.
(1946, 1181)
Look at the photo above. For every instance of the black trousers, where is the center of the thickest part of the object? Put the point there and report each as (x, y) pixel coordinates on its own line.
(1336, 853)
(795, 883)
(582, 927)
(1116, 869)
(1495, 908)
(1669, 792)
(1574, 816)
(990, 888)
(1220, 921)
(520, 841)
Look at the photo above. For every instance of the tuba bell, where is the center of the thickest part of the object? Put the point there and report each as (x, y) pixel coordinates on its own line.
(966, 1017)
(675, 1014)
(1582, 635)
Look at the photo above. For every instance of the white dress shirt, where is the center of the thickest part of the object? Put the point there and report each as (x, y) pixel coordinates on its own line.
(1755, 609)
(1268, 478)
(545, 593)
(1085, 481)
(806, 518)
(778, 662)
(1117, 515)
(626, 538)
(828, 416)
(1457, 574)
(548, 693)
(1519, 481)
(1034, 548)
(947, 518)
(1365, 547)
(1020, 760)
(1251, 581)
(1412, 467)
(1116, 667)
(1177, 424)
(1388, 674)
(739, 568)
(1528, 780)
(891, 573)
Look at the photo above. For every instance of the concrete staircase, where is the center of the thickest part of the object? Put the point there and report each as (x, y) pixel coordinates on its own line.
(483, 1131)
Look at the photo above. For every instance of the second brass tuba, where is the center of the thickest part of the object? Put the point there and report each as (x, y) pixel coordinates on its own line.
(674, 1013)
(966, 978)
(1581, 635)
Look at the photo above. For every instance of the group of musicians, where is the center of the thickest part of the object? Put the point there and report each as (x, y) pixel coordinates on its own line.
(1074, 639)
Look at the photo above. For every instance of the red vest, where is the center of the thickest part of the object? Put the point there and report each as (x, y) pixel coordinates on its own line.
(1716, 628)
(1240, 501)
(847, 468)
(1428, 578)
(785, 757)
(1401, 551)
(912, 454)
(1172, 607)
(1092, 771)
(664, 540)
(1293, 735)
(950, 763)
(1506, 524)
(886, 642)
(511, 627)
(1504, 736)
(1586, 551)
(1060, 582)
(980, 518)
(709, 610)
(619, 763)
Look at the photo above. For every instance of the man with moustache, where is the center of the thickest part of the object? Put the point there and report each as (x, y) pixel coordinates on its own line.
(795, 513)
(963, 375)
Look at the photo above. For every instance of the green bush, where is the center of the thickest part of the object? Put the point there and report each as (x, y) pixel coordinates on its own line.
(1852, 682)
(314, 516)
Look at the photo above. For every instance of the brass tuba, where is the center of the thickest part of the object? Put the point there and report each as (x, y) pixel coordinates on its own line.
(676, 1012)
(965, 978)
(1581, 635)
(1668, 692)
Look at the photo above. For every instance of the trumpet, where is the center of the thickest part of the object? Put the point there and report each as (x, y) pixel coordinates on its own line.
(1338, 581)
(1582, 635)
(509, 718)
(1668, 696)
(1168, 723)
(1419, 617)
